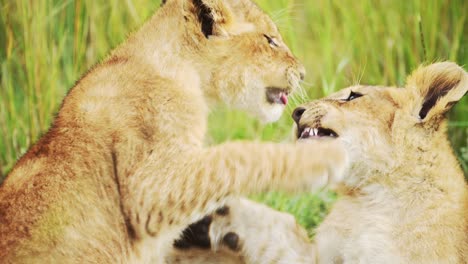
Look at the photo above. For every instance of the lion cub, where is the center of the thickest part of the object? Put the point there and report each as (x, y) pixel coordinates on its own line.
(404, 200)
(123, 169)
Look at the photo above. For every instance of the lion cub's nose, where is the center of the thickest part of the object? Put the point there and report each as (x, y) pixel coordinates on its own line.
(297, 113)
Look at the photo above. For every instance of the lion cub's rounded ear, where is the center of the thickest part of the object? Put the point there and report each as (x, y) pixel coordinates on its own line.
(218, 20)
(436, 88)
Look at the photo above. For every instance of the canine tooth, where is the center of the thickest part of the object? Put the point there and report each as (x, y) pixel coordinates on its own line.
(315, 132)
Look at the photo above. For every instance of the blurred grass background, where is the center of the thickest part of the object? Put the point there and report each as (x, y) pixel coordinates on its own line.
(46, 45)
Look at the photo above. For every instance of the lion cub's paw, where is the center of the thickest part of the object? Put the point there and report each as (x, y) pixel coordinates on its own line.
(254, 232)
(325, 162)
(260, 234)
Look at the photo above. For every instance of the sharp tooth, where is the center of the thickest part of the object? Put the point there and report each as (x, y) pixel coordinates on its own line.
(315, 132)
(305, 132)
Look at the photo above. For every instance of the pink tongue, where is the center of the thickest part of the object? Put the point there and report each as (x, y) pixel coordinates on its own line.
(284, 98)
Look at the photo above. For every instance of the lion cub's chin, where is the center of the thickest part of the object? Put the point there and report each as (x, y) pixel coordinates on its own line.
(268, 113)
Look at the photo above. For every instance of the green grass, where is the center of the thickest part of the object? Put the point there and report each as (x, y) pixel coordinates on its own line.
(45, 45)
(309, 209)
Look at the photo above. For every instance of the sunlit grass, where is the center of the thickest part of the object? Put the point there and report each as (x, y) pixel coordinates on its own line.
(45, 45)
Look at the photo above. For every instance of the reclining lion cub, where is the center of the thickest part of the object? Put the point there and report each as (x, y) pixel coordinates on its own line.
(405, 199)
(123, 169)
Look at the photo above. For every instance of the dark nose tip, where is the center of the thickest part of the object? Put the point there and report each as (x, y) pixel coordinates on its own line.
(297, 113)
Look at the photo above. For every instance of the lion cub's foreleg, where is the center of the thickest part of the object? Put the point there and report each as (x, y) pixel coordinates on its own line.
(175, 194)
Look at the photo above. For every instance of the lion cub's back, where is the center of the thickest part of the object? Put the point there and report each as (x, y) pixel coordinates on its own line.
(50, 209)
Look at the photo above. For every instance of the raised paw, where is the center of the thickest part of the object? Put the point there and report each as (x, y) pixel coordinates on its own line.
(337, 161)
(325, 162)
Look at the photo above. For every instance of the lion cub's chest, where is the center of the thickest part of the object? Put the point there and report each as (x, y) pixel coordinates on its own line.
(358, 231)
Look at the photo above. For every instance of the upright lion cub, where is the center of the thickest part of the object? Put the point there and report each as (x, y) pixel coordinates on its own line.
(123, 169)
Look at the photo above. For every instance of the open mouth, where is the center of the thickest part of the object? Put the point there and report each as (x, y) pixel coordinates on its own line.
(316, 132)
(276, 95)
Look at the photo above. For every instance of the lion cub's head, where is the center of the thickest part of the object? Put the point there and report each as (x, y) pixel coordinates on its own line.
(388, 129)
(241, 56)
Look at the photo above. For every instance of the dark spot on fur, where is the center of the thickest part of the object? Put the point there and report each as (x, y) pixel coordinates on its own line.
(193, 200)
(130, 231)
(128, 224)
(391, 120)
(223, 211)
(147, 132)
(148, 223)
(115, 60)
(450, 104)
(195, 235)
(171, 202)
(204, 17)
(161, 217)
(205, 202)
(231, 240)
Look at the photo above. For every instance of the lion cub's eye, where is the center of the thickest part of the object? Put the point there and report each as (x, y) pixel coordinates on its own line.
(271, 41)
(353, 96)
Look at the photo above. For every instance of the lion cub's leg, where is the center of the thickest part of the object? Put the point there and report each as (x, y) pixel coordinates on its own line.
(250, 231)
(183, 188)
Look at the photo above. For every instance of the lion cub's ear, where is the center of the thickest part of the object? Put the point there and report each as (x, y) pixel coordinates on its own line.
(436, 88)
(218, 20)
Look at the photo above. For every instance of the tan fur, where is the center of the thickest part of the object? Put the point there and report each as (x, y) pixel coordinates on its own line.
(405, 199)
(265, 236)
(203, 256)
(123, 169)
